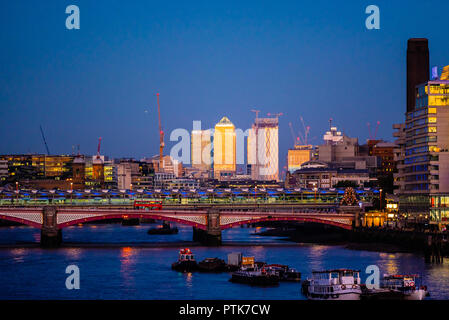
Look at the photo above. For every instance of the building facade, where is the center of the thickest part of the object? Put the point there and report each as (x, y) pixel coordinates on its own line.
(322, 175)
(263, 149)
(422, 152)
(201, 152)
(297, 156)
(224, 148)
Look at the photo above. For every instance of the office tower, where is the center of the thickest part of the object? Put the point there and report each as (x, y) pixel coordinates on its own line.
(297, 156)
(423, 174)
(263, 149)
(417, 68)
(224, 149)
(201, 149)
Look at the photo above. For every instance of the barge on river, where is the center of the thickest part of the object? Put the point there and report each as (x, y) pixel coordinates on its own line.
(337, 284)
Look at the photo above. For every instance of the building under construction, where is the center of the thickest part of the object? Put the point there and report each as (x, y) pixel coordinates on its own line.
(263, 149)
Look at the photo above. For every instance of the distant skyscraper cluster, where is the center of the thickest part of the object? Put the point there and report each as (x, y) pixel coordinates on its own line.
(262, 150)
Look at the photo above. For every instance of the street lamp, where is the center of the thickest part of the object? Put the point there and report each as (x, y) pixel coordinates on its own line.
(17, 191)
(315, 188)
(380, 199)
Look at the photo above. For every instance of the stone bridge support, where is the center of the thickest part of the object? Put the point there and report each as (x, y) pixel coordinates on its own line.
(51, 235)
(356, 211)
(212, 235)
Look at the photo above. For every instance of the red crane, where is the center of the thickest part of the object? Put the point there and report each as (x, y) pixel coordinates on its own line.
(377, 129)
(161, 137)
(371, 137)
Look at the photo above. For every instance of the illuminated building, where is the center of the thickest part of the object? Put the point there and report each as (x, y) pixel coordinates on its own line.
(297, 156)
(58, 167)
(337, 146)
(224, 149)
(94, 172)
(98, 169)
(170, 165)
(135, 175)
(79, 172)
(263, 149)
(201, 149)
(322, 175)
(3, 170)
(423, 169)
(110, 175)
(384, 151)
(24, 167)
(38, 171)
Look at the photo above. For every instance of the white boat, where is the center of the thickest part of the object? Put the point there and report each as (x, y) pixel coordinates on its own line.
(337, 284)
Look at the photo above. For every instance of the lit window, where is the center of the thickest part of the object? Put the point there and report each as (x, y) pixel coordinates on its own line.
(432, 110)
(434, 149)
(432, 119)
(432, 129)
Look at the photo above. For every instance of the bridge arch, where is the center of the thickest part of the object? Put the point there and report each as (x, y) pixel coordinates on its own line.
(338, 224)
(21, 221)
(71, 219)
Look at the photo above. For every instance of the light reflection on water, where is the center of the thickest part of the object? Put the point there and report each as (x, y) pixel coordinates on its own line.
(133, 272)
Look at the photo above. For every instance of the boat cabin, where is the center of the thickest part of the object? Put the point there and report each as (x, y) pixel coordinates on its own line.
(337, 277)
(186, 255)
(398, 281)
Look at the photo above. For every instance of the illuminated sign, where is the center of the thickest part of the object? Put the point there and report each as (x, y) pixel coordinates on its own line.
(435, 73)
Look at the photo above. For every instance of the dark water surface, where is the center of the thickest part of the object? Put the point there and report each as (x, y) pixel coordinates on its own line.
(138, 265)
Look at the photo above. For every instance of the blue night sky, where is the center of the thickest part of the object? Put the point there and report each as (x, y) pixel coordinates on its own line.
(207, 59)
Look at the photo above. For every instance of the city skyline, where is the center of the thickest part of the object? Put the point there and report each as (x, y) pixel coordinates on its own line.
(273, 50)
(183, 154)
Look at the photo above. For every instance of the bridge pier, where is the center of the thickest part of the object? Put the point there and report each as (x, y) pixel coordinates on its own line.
(212, 235)
(356, 211)
(51, 235)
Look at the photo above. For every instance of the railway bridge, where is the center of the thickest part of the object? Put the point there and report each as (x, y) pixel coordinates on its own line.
(207, 221)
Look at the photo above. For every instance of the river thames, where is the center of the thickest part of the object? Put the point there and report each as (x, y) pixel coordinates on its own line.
(124, 262)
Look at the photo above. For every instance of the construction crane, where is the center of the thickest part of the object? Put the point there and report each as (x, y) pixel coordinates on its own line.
(296, 139)
(161, 137)
(371, 137)
(45, 142)
(98, 149)
(377, 129)
(306, 131)
(275, 115)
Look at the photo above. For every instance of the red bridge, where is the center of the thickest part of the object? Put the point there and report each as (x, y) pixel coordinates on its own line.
(210, 220)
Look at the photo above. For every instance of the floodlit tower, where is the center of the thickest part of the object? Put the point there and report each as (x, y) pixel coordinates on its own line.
(224, 148)
(263, 148)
